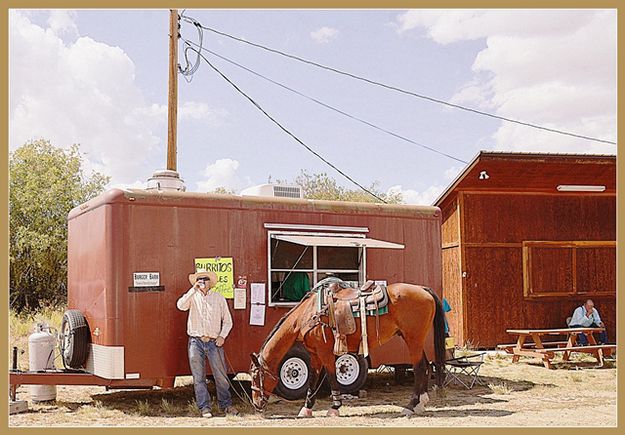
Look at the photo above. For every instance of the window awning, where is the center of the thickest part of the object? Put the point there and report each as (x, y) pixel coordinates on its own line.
(338, 241)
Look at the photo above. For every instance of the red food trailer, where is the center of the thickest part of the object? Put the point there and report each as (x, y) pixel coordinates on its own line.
(130, 253)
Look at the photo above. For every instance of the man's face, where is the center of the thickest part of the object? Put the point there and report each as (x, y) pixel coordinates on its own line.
(589, 305)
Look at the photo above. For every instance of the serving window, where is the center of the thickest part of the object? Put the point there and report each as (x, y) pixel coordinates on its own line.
(565, 269)
(298, 261)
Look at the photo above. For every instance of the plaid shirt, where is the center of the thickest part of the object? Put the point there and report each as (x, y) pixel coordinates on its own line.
(209, 315)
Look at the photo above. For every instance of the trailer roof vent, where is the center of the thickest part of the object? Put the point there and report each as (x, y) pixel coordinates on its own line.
(276, 190)
(165, 179)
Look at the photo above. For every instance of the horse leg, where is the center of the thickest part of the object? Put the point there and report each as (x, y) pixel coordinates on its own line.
(329, 363)
(420, 396)
(313, 385)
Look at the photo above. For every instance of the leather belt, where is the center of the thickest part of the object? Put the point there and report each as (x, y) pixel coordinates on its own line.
(206, 338)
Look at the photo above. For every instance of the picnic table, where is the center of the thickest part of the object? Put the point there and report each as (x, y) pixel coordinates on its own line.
(545, 350)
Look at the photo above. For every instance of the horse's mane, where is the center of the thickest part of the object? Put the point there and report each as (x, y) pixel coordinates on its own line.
(324, 282)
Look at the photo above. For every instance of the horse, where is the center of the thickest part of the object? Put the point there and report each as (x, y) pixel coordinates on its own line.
(413, 310)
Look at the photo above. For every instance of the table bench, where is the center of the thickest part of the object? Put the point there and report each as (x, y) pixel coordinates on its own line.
(546, 350)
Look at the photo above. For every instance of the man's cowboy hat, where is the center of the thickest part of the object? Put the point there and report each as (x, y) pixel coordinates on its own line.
(193, 277)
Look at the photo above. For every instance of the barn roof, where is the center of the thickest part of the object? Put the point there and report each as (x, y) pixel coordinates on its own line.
(535, 172)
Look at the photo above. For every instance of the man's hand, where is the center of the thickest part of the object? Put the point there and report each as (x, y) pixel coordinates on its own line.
(219, 341)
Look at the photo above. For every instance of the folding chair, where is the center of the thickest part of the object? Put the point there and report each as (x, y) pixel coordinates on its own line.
(464, 370)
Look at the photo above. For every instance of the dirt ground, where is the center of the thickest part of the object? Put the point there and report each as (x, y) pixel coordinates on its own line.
(523, 394)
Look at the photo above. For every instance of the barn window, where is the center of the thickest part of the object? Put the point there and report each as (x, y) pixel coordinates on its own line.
(297, 261)
(565, 269)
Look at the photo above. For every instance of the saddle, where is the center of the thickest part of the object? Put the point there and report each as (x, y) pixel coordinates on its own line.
(343, 303)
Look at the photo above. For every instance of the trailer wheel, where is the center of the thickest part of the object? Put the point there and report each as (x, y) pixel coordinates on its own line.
(351, 372)
(294, 374)
(75, 338)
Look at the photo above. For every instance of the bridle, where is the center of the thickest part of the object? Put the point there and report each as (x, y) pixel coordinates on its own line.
(259, 371)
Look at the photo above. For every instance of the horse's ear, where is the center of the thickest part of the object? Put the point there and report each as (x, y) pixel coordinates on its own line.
(255, 359)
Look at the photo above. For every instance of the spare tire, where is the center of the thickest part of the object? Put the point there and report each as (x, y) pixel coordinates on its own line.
(75, 338)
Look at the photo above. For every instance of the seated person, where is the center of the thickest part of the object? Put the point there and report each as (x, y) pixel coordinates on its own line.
(295, 286)
(587, 316)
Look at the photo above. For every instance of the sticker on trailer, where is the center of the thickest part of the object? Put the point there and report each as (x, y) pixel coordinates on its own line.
(132, 375)
(146, 279)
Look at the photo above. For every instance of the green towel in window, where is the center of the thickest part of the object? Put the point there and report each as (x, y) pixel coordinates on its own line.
(296, 286)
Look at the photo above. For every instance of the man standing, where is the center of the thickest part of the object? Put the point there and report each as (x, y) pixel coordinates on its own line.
(208, 326)
(587, 316)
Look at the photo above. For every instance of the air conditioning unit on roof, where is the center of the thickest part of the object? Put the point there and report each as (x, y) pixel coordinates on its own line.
(275, 190)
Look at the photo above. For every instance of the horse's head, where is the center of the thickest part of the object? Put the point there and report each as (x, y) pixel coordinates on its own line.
(263, 383)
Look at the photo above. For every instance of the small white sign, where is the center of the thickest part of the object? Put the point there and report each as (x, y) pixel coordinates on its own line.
(239, 298)
(132, 376)
(258, 293)
(380, 282)
(146, 279)
(257, 315)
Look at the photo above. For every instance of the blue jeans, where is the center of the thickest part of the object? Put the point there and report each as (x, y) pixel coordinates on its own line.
(583, 341)
(199, 351)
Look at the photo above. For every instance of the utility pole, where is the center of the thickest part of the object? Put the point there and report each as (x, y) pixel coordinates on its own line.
(169, 179)
(172, 109)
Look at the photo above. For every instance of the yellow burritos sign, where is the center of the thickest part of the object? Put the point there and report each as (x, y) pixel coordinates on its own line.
(223, 267)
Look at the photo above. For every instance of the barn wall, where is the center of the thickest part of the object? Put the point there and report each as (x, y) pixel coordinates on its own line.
(450, 229)
(452, 290)
(452, 280)
(496, 225)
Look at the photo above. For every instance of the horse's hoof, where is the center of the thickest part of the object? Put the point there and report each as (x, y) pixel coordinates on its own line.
(407, 412)
(305, 413)
(420, 408)
(424, 398)
(333, 412)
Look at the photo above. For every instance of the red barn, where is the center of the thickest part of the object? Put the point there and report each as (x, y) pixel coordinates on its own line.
(526, 238)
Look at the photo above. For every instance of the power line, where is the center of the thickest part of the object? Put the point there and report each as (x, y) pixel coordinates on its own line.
(397, 89)
(284, 129)
(321, 103)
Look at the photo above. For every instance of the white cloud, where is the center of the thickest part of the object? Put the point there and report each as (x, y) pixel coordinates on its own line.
(451, 173)
(324, 35)
(84, 91)
(555, 68)
(137, 184)
(411, 196)
(223, 173)
(62, 22)
(188, 110)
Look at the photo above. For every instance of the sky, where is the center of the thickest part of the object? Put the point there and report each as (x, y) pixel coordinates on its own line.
(99, 78)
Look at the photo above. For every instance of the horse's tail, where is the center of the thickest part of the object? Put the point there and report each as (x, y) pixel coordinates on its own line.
(439, 339)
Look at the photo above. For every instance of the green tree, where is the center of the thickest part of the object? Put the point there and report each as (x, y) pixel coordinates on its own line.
(45, 183)
(322, 186)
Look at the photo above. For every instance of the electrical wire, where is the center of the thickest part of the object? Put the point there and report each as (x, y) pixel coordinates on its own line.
(321, 103)
(397, 89)
(189, 70)
(284, 129)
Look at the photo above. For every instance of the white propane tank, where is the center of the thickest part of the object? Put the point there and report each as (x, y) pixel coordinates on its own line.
(41, 344)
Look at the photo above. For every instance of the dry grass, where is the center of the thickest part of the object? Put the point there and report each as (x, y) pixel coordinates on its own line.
(501, 388)
(22, 325)
(143, 407)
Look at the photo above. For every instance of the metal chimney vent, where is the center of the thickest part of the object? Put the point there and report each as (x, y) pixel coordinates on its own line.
(166, 180)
